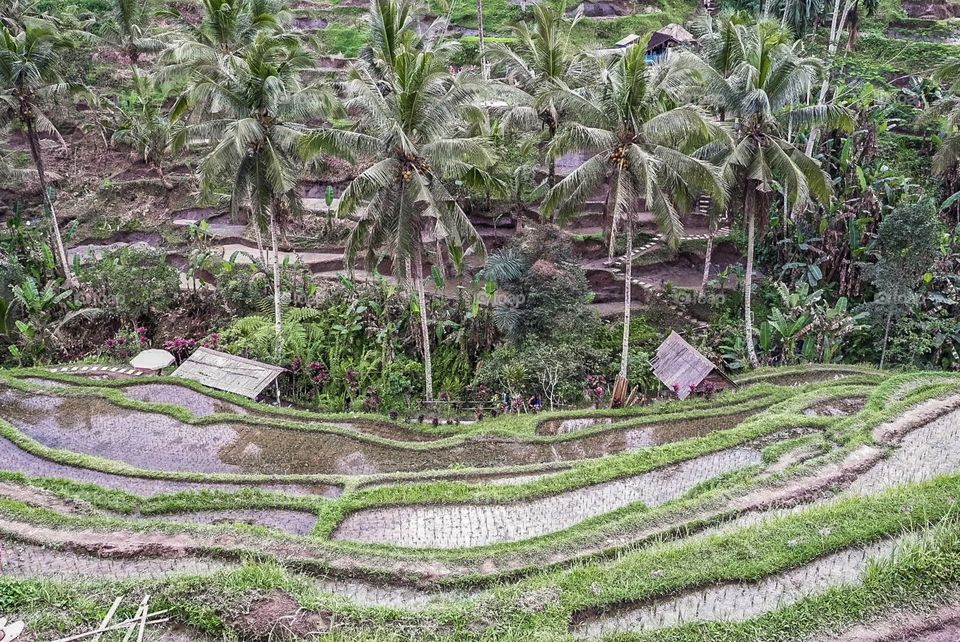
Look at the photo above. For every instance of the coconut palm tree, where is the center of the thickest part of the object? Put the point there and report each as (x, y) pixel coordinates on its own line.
(251, 108)
(14, 13)
(128, 25)
(144, 124)
(536, 61)
(639, 131)
(765, 93)
(410, 107)
(947, 108)
(30, 82)
(720, 47)
(227, 27)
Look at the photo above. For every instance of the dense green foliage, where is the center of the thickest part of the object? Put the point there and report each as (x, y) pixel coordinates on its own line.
(227, 92)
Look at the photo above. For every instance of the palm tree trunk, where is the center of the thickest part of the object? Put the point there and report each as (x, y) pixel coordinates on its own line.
(706, 266)
(627, 296)
(886, 336)
(277, 322)
(483, 58)
(748, 280)
(424, 328)
(551, 161)
(837, 22)
(55, 236)
(441, 262)
(258, 235)
(607, 227)
(853, 32)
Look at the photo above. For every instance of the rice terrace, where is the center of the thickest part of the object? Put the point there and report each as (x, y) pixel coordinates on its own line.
(479, 321)
(799, 508)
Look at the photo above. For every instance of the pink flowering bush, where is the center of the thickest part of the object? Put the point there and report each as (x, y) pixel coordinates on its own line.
(182, 347)
(125, 344)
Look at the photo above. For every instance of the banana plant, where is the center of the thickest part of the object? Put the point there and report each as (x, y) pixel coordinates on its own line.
(6, 319)
(789, 329)
(42, 322)
(834, 323)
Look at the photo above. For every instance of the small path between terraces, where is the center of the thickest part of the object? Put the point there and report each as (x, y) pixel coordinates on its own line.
(291, 521)
(22, 560)
(939, 625)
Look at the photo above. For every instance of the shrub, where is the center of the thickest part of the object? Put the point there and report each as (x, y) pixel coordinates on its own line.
(134, 283)
(125, 344)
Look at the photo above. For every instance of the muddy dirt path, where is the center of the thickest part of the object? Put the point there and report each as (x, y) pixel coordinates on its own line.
(23, 560)
(736, 601)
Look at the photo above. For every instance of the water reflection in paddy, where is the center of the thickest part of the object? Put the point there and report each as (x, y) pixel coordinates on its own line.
(156, 441)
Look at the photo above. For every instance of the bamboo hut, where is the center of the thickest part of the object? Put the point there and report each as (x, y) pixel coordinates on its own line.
(682, 369)
(222, 371)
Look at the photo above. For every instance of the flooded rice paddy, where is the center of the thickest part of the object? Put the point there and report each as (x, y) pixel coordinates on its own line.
(157, 442)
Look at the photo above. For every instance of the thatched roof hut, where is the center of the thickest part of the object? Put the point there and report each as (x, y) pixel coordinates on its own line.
(681, 368)
(678, 33)
(222, 371)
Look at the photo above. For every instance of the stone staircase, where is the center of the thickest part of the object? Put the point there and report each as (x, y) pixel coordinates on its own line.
(651, 245)
(651, 291)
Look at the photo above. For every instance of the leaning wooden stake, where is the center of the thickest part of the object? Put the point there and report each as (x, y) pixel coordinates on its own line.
(137, 623)
(137, 618)
(107, 618)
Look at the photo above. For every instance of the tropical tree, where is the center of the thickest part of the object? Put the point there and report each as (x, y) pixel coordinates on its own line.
(30, 81)
(638, 130)
(14, 15)
(253, 109)
(410, 107)
(128, 24)
(144, 124)
(766, 94)
(40, 317)
(536, 61)
(227, 27)
(909, 245)
(947, 109)
(799, 15)
(720, 47)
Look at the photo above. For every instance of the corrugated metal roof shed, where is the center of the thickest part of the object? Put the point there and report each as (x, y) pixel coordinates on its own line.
(228, 372)
(680, 366)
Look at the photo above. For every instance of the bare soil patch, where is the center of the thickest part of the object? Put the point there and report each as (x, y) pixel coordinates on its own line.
(941, 625)
(837, 407)
(277, 616)
(41, 498)
(931, 9)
